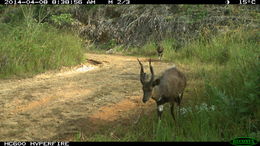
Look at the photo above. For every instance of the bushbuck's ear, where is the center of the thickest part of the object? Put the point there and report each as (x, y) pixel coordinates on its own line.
(156, 82)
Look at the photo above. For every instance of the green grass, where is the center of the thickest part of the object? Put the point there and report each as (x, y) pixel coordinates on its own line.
(30, 49)
(143, 51)
(34, 46)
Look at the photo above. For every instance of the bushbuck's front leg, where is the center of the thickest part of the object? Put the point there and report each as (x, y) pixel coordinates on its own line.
(159, 110)
(160, 104)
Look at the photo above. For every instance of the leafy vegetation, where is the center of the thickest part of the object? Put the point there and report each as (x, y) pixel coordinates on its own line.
(33, 47)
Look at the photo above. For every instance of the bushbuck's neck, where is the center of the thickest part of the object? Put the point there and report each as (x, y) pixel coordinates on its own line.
(156, 93)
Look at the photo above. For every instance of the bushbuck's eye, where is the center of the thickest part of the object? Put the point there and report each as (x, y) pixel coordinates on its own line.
(148, 89)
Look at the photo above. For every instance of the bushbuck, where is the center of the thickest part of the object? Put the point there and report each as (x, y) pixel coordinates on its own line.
(168, 88)
(159, 50)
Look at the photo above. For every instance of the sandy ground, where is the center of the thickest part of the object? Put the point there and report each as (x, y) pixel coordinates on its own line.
(57, 105)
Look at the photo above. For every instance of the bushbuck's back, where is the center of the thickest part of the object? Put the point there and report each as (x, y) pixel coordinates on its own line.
(172, 83)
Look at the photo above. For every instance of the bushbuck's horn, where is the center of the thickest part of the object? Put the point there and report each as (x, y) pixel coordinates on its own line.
(151, 69)
(142, 74)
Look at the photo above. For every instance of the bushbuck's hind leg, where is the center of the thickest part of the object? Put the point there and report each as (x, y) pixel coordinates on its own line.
(179, 102)
(181, 97)
(172, 111)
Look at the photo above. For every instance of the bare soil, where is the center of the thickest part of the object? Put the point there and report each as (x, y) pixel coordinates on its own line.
(56, 105)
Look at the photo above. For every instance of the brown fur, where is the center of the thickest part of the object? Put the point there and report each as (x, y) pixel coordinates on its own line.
(159, 51)
(172, 84)
(169, 87)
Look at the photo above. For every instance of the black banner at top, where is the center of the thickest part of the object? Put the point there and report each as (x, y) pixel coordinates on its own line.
(35, 143)
(124, 2)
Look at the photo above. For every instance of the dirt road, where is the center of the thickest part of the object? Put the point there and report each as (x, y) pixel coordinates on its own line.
(56, 105)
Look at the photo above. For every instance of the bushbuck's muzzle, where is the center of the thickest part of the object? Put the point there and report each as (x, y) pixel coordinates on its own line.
(144, 100)
(146, 97)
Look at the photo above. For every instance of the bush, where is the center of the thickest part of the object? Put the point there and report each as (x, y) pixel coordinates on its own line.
(62, 20)
(34, 48)
(234, 87)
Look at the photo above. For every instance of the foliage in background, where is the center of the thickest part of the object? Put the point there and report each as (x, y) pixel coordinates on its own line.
(32, 47)
(62, 20)
(135, 25)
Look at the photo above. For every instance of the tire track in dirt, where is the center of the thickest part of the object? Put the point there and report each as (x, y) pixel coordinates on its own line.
(56, 105)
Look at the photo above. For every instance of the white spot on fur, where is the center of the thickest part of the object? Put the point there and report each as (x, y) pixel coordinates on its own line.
(160, 108)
